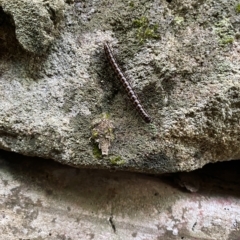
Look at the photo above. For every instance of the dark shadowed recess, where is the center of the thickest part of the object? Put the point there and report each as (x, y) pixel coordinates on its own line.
(215, 179)
(8, 42)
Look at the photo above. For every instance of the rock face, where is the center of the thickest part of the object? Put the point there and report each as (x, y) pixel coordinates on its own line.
(57, 90)
(35, 22)
(41, 199)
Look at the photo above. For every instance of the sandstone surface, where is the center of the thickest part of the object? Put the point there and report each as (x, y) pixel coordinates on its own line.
(60, 100)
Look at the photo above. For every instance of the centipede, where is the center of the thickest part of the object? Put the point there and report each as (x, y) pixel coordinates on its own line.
(126, 85)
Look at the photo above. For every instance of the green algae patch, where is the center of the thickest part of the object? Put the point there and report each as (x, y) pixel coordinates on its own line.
(145, 30)
(96, 151)
(117, 160)
(224, 30)
(178, 20)
(238, 8)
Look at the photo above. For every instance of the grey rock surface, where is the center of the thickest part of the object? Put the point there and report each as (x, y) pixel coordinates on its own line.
(183, 59)
(41, 199)
(35, 22)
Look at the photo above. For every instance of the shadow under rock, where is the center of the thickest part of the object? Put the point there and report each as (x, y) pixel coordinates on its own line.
(213, 179)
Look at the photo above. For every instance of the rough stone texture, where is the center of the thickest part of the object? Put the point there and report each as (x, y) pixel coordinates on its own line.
(35, 22)
(41, 199)
(183, 61)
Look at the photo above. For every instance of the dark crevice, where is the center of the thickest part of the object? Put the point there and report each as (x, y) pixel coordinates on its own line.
(8, 42)
(112, 224)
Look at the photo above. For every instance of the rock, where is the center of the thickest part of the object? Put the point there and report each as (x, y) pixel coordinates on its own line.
(182, 60)
(41, 199)
(35, 22)
(190, 181)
